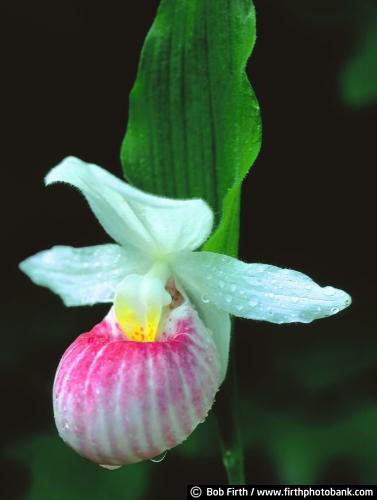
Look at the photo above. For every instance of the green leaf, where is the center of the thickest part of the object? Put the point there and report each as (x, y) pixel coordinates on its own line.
(194, 124)
(60, 474)
(359, 76)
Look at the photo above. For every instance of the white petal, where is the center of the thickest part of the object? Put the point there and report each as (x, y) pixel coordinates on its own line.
(219, 324)
(215, 320)
(83, 276)
(131, 217)
(258, 291)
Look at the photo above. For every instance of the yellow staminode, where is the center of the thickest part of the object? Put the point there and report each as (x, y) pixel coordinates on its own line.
(138, 327)
(139, 304)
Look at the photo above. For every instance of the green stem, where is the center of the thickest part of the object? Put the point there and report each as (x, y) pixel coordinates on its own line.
(226, 412)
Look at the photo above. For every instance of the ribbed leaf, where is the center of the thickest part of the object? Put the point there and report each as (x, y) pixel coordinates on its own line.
(194, 124)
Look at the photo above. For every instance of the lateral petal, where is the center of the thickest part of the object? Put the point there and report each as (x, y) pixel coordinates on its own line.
(83, 276)
(258, 291)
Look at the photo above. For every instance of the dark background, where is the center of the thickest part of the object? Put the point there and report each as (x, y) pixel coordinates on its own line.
(309, 402)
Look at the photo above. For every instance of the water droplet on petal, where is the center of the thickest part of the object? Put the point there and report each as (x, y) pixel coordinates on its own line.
(159, 458)
(334, 310)
(205, 299)
(239, 308)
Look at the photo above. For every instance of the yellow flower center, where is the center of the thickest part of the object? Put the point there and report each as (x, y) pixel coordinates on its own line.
(140, 303)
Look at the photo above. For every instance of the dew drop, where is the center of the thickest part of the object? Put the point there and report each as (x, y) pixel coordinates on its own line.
(239, 308)
(335, 310)
(110, 467)
(205, 299)
(159, 458)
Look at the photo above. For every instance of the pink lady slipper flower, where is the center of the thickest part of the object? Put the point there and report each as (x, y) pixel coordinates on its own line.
(142, 379)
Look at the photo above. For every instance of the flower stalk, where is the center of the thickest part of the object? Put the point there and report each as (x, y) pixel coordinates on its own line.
(226, 411)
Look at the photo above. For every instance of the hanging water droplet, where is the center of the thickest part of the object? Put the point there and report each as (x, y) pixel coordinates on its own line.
(335, 310)
(159, 458)
(205, 299)
(329, 290)
(110, 467)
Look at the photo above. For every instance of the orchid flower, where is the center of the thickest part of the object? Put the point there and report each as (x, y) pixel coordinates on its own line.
(141, 380)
